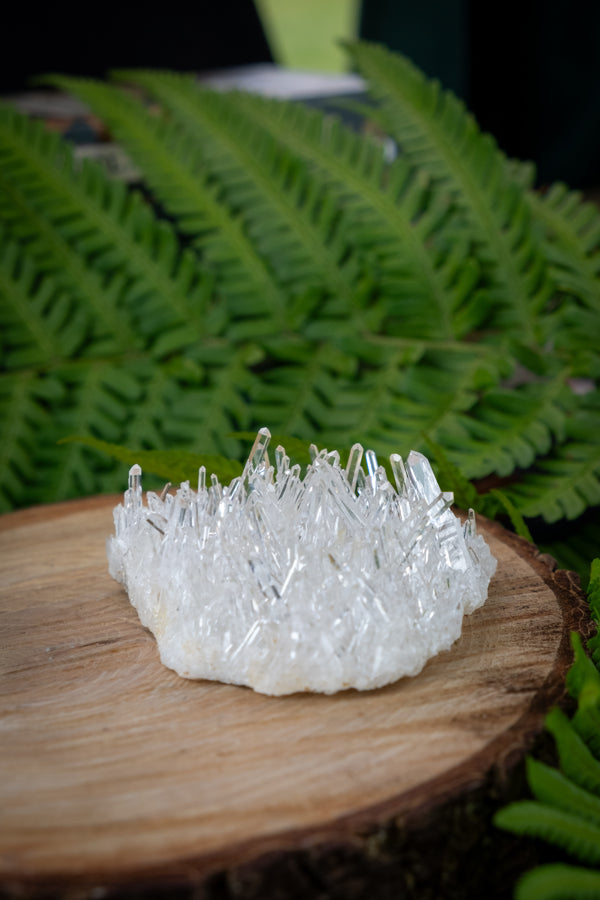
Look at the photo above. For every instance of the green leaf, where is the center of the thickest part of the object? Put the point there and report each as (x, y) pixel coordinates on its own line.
(576, 759)
(175, 466)
(277, 268)
(552, 788)
(173, 165)
(566, 482)
(573, 240)
(436, 134)
(558, 881)
(563, 829)
(594, 589)
(390, 215)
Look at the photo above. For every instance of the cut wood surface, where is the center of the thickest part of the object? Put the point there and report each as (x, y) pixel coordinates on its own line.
(114, 769)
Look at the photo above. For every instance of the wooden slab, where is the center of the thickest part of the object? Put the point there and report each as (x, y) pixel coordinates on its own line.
(115, 769)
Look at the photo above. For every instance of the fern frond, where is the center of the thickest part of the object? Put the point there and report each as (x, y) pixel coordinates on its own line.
(300, 394)
(552, 788)
(572, 233)
(175, 466)
(289, 220)
(437, 135)
(389, 214)
(174, 168)
(508, 429)
(112, 327)
(575, 332)
(565, 830)
(406, 389)
(201, 415)
(39, 323)
(583, 678)
(26, 413)
(594, 590)
(109, 227)
(568, 482)
(576, 759)
(98, 396)
(558, 881)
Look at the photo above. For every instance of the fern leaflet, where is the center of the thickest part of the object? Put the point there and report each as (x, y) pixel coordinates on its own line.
(175, 170)
(557, 881)
(437, 135)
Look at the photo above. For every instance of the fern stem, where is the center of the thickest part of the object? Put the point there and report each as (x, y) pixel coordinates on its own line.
(27, 301)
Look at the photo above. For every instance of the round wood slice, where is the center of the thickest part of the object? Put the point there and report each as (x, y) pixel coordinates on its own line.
(117, 772)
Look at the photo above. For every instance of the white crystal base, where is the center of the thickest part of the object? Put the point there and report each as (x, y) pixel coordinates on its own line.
(332, 581)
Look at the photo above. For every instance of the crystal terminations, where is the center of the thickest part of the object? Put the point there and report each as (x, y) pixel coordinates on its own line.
(286, 584)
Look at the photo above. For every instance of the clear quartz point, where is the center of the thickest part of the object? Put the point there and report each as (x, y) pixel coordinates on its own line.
(354, 461)
(133, 495)
(421, 476)
(399, 473)
(286, 583)
(470, 525)
(259, 448)
(372, 466)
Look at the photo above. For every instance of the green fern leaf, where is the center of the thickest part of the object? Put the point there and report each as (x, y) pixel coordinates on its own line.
(288, 220)
(568, 482)
(389, 214)
(572, 231)
(507, 429)
(39, 323)
(565, 830)
(110, 228)
(175, 466)
(496, 501)
(593, 593)
(576, 759)
(557, 881)
(112, 327)
(297, 396)
(583, 679)
(406, 390)
(174, 168)
(552, 788)
(594, 590)
(25, 413)
(576, 336)
(436, 134)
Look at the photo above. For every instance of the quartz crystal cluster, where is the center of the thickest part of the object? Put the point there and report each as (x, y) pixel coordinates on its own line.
(286, 583)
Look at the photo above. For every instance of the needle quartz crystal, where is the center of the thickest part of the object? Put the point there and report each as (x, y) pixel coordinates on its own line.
(332, 580)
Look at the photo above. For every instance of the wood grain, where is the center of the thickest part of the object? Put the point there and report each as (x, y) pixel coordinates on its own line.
(114, 768)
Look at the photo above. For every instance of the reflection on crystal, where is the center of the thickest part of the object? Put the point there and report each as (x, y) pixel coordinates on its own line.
(285, 583)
